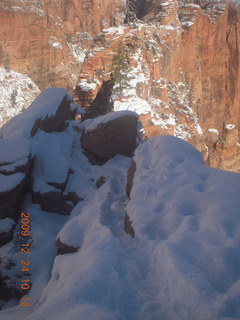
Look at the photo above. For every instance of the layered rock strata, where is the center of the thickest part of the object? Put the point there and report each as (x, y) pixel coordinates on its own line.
(179, 68)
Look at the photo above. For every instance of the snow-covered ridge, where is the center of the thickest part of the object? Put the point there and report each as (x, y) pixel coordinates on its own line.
(17, 92)
(182, 262)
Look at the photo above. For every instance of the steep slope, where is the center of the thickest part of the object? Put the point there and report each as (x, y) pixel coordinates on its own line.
(179, 69)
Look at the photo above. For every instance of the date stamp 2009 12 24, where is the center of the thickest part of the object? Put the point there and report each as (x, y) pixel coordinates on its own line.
(25, 233)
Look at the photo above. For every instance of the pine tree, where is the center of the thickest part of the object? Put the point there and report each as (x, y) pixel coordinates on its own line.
(121, 68)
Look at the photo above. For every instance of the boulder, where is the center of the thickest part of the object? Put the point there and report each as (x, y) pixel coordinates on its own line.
(111, 134)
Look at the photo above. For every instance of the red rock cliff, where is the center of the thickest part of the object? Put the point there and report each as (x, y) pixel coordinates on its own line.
(182, 75)
(49, 39)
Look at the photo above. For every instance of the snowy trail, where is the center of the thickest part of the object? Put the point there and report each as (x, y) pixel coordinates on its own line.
(183, 262)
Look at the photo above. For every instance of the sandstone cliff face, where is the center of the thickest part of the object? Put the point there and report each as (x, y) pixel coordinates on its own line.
(48, 40)
(182, 74)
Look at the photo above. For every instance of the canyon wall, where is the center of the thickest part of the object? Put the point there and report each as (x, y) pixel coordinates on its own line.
(182, 74)
(49, 39)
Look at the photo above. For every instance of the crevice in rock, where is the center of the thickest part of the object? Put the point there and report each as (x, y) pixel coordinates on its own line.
(139, 8)
(130, 177)
(102, 104)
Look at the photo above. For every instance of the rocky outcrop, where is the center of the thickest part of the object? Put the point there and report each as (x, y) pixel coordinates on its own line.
(109, 135)
(57, 121)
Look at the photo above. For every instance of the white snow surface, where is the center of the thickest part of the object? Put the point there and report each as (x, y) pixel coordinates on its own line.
(10, 182)
(183, 262)
(92, 124)
(52, 153)
(17, 92)
(44, 106)
(134, 104)
(230, 126)
(213, 130)
(13, 149)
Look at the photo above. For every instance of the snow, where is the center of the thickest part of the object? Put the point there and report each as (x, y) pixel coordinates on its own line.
(230, 126)
(213, 130)
(186, 216)
(77, 51)
(9, 182)
(54, 43)
(17, 92)
(6, 225)
(45, 105)
(134, 104)
(87, 85)
(187, 24)
(183, 262)
(92, 124)
(52, 153)
(115, 30)
(13, 149)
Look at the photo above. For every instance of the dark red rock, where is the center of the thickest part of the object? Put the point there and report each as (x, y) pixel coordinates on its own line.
(100, 181)
(130, 176)
(50, 202)
(73, 197)
(93, 159)
(57, 122)
(64, 248)
(128, 226)
(56, 202)
(117, 136)
(66, 209)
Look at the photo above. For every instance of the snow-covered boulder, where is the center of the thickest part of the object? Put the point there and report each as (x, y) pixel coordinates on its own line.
(48, 113)
(111, 134)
